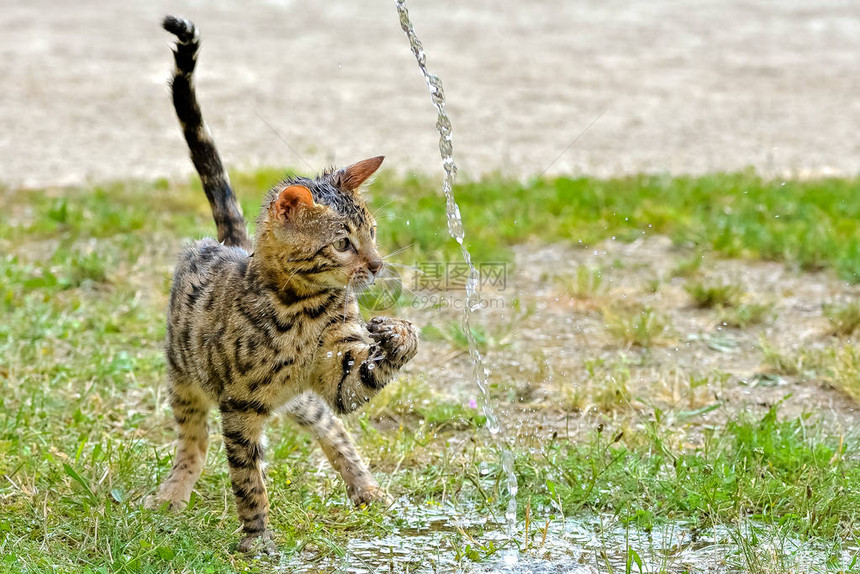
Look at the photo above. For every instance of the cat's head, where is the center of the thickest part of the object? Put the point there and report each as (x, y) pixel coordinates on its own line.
(319, 231)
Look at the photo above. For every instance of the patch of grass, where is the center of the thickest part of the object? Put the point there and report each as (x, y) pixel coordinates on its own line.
(839, 366)
(452, 333)
(689, 267)
(779, 471)
(653, 285)
(585, 283)
(606, 388)
(641, 327)
(610, 384)
(494, 336)
(810, 224)
(780, 362)
(708, 295)
(410, 400)
(746, 314)
(843, 368)
(731, 214)
(686, 396)
(844, 319)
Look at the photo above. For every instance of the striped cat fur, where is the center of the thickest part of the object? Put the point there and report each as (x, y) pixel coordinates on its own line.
(257, 326)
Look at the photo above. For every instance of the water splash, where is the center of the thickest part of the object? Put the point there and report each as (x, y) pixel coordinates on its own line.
(455, 229)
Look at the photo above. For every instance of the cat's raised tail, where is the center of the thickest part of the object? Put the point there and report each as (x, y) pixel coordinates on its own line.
(225, 208)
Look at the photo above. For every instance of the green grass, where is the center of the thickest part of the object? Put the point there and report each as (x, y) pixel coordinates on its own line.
(783, 471)
(584, 283)
(809, 223)
(688, 267)
(707, 295)
(844, 319)
(638, 327)
(84, 433)
(839, 366)
(745, 314)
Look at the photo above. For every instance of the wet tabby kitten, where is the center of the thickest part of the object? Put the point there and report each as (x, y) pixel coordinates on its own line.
(252, 328)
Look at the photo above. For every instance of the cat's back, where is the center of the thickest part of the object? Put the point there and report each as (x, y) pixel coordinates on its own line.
(208, 277)
(203, 265)
(207, 274)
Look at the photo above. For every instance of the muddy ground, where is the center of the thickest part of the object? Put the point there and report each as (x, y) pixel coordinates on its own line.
(682, 87)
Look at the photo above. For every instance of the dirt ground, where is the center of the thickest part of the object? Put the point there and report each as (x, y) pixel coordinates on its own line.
(552, 350)
(682, 87)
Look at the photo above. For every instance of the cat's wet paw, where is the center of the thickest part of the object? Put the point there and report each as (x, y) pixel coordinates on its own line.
(398, 338)
(259, 543)
(370, 494)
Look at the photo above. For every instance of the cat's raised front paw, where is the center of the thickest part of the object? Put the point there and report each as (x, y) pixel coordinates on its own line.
(398, 338)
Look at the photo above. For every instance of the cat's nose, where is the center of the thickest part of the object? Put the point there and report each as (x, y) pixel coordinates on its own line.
(374, 265)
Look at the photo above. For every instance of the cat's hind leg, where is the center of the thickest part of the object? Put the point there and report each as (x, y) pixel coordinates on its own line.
(312, 413)
(242, 424)
(191, 411)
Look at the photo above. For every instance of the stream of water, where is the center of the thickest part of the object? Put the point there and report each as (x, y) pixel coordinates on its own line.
(455, 229)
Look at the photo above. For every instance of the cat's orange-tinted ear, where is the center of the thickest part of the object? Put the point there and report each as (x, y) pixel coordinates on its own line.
(290, 200)
(350, 178)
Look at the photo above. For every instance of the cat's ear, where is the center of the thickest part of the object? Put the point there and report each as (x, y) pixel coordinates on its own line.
(290, 200)
(350, 178)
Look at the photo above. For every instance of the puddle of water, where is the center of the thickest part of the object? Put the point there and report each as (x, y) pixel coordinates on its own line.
(434, 539)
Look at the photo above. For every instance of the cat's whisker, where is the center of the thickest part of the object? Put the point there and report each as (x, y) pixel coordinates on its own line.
(401, 250)
(409, 291)
(383, 275)
(388, 274)
(393, 217)
(346, 299)
(403, 286)
(280, 137)
(380, 208)
(287, 282)
(412, 267)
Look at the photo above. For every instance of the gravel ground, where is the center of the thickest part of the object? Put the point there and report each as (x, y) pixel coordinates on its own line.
(716, 85)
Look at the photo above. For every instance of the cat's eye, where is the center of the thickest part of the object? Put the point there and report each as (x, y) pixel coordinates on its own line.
(373, 232)
(342, 244)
